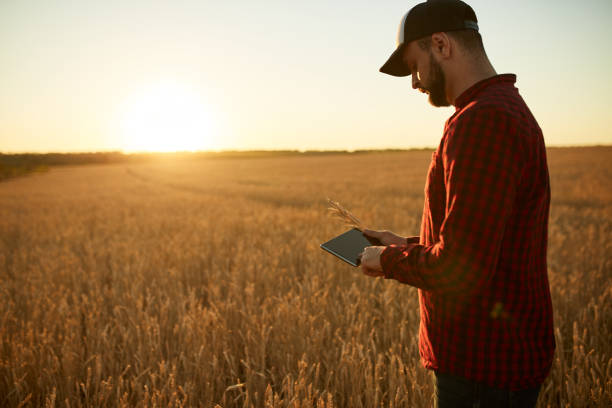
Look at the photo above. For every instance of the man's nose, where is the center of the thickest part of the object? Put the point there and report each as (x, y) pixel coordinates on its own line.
(415, 81)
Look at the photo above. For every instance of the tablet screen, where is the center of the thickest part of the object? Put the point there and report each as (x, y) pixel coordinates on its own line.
(349, 245)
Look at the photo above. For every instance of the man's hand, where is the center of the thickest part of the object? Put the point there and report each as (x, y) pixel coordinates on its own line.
(385, 237)
(370, 261)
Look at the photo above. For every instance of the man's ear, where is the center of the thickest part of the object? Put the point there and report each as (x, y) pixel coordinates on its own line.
(441, 45)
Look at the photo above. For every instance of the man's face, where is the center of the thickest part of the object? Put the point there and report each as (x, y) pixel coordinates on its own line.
(427, 74)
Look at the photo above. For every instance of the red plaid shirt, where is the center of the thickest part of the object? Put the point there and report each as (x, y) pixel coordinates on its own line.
(480, 263)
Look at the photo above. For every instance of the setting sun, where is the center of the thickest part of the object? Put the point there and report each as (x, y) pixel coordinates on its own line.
(164, 118)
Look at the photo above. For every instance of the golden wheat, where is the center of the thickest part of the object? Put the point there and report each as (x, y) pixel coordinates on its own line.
(338, 211)
(201, 283)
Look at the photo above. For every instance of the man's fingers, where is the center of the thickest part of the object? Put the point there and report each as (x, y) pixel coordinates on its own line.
(372, 233)
(371, 272)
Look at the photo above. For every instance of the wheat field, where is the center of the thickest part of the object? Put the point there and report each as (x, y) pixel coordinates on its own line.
(201, 283)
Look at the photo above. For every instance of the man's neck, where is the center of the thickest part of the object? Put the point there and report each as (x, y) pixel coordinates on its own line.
(463, 79)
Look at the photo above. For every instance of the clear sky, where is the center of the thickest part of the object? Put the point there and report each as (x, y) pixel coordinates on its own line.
(136, 75)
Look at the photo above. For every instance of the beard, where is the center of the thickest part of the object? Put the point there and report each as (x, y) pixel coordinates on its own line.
(437, 84)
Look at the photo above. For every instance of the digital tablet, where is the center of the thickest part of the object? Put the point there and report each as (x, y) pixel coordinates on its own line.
(349, 245)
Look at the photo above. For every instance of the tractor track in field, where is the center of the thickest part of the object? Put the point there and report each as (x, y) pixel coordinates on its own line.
(169, 185)
(259, 195)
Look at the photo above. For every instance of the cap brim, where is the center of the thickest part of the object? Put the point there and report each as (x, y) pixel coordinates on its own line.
(394, 65)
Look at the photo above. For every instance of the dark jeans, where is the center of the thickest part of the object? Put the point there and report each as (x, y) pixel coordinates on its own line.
(458, 392)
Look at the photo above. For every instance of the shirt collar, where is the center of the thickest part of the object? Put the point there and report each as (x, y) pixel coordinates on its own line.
(470, 94)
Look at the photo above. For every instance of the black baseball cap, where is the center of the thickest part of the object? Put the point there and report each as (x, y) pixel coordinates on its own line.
(432, 16)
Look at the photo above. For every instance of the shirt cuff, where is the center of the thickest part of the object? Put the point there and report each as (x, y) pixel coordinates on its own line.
(391, 256)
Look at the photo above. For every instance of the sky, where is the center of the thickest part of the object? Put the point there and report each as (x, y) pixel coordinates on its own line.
(137, 75)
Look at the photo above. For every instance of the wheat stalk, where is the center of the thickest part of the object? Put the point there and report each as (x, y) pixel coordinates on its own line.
(345, 215)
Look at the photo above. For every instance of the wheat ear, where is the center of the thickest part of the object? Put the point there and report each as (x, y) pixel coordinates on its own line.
(345, 215)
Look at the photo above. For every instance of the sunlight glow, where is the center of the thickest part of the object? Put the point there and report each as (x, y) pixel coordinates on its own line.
(166, 117)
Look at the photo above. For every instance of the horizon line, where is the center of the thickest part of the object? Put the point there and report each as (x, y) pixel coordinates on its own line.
(295, 151)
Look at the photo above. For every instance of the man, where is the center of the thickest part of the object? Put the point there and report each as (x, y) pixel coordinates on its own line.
(480, 261)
